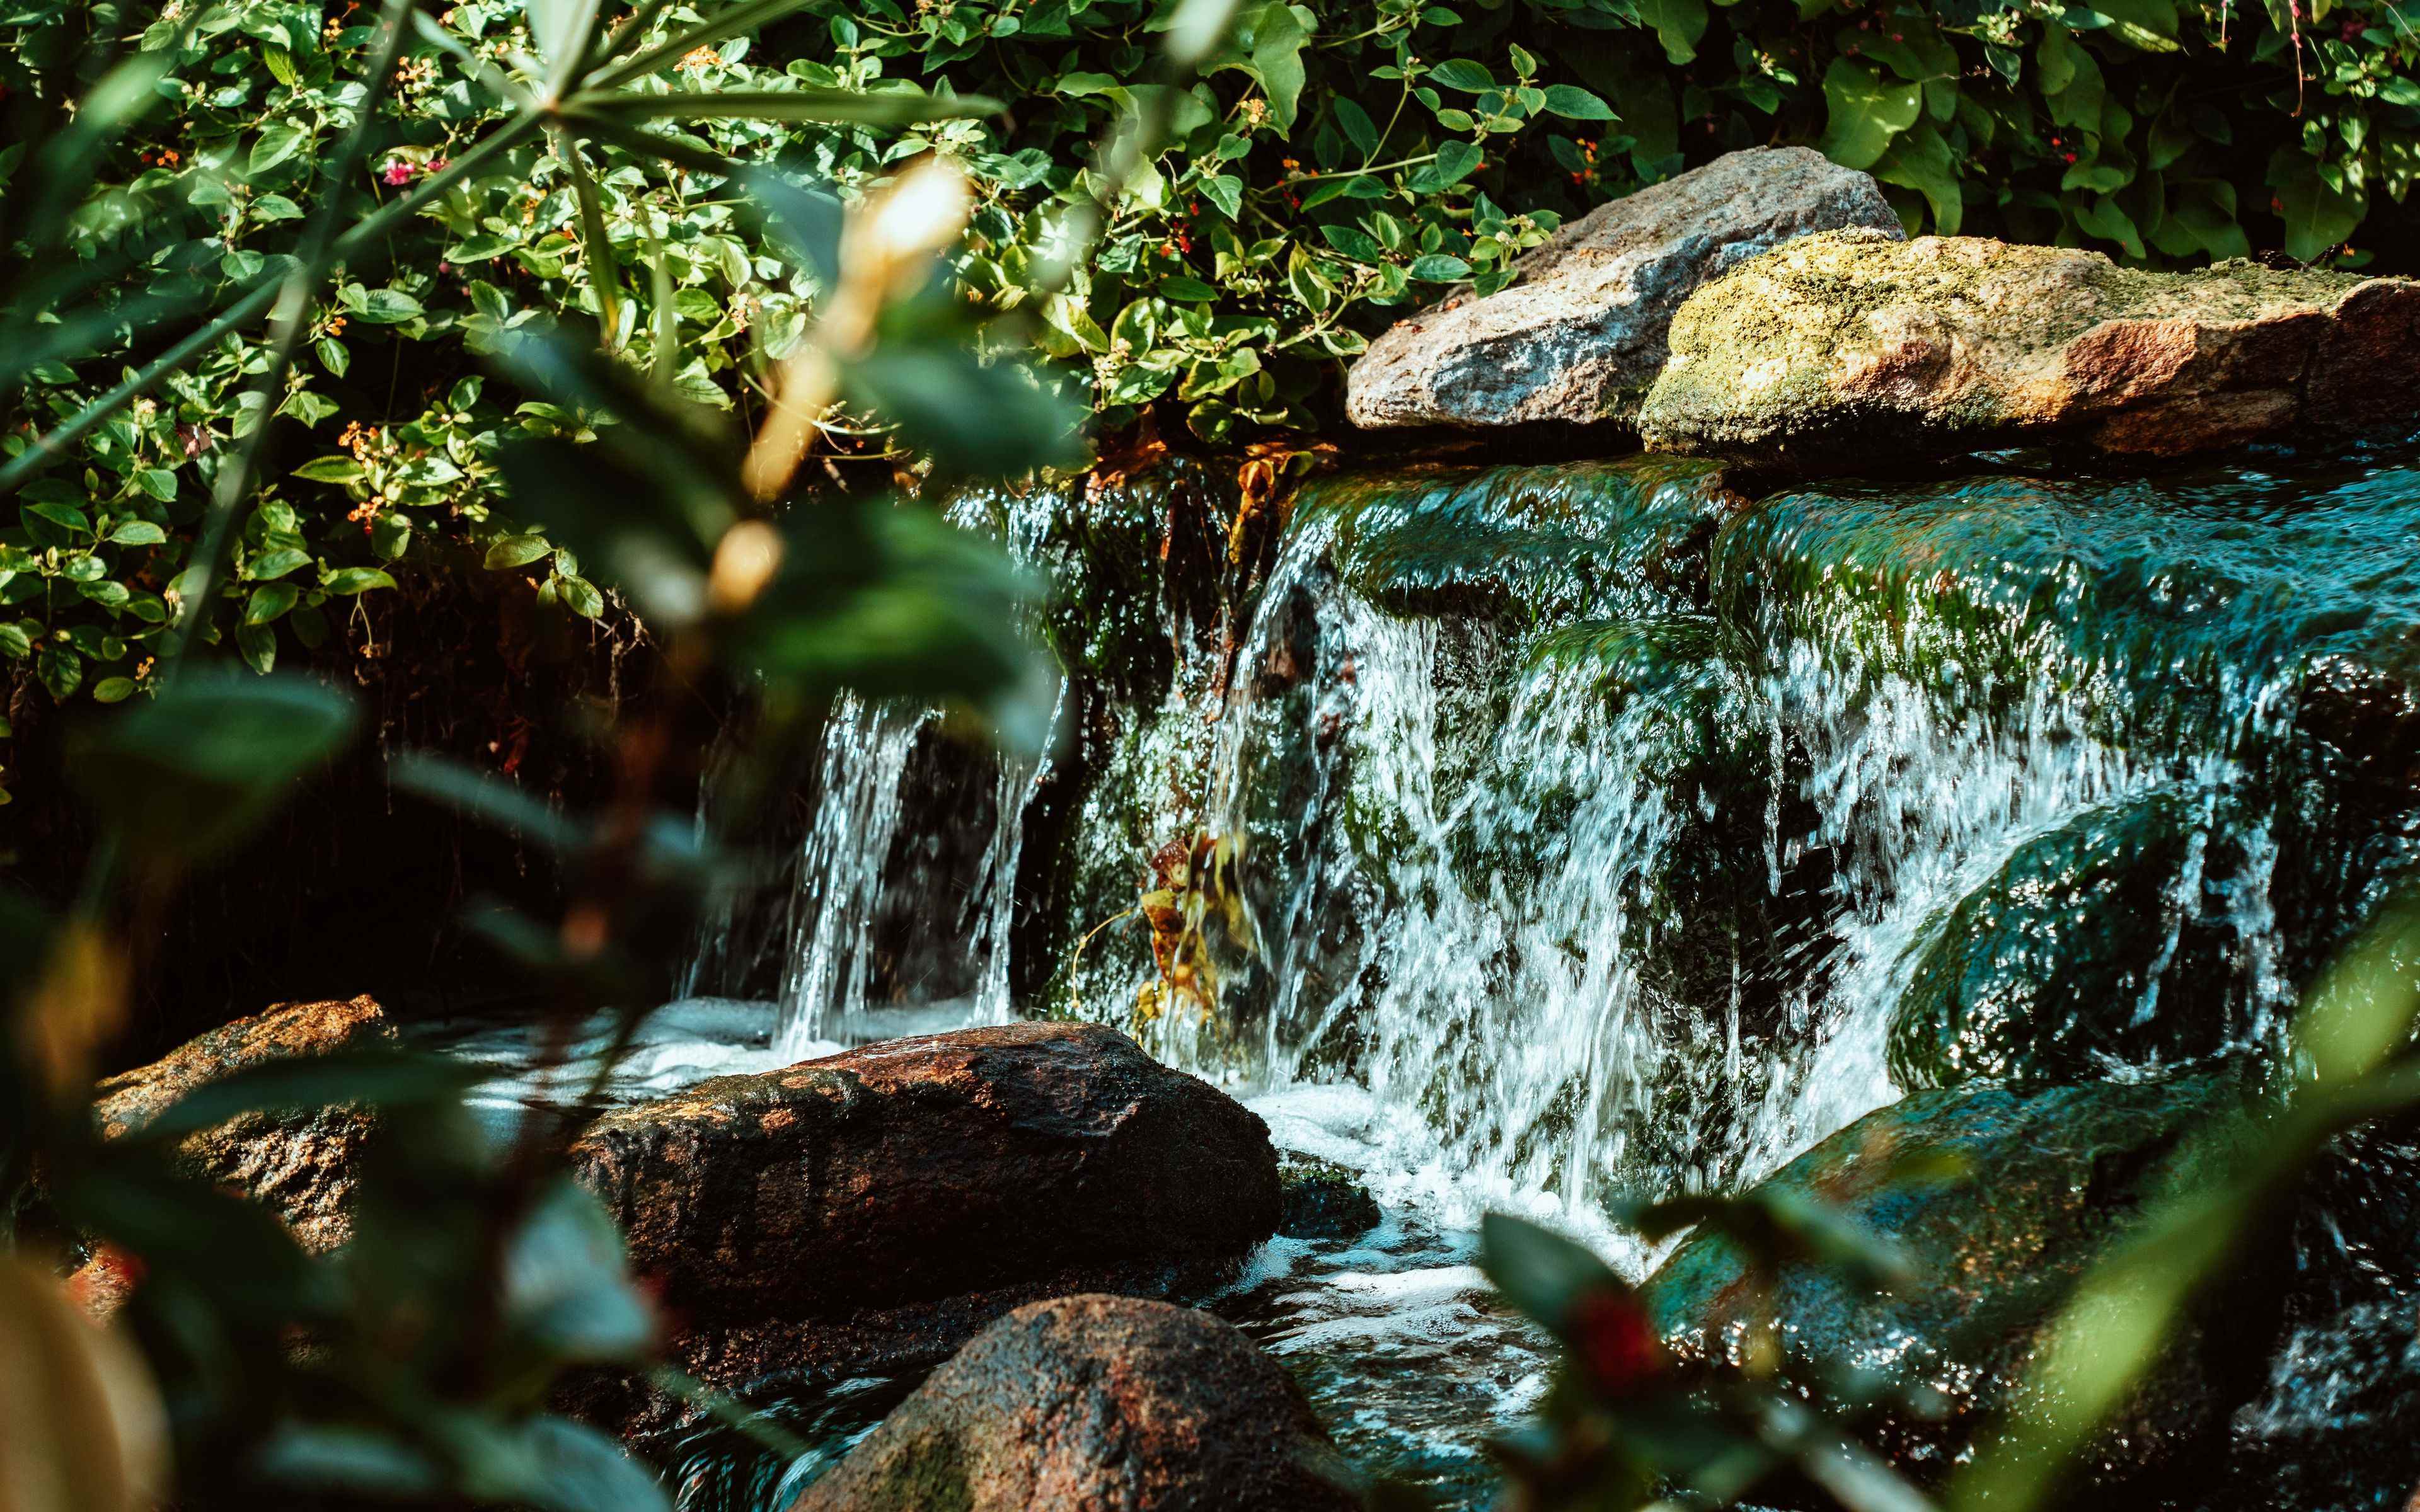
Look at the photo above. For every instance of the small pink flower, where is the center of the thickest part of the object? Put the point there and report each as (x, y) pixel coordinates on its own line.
(437, 165)
(399, 173)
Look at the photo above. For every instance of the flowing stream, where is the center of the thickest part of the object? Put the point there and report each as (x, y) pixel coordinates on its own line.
(1596, 831)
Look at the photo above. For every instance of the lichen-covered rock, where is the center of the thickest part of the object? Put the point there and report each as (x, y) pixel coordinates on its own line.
(1095, 1404)
(300, 1162)
(2000, 1199)
(917, 1169)
(1842, 348)
(1581, 334)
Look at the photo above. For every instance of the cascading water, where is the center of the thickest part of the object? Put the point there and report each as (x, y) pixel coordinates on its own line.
(1599, 831)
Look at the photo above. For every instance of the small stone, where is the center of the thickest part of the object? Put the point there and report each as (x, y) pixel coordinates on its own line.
(1580, 333)
(1324, 1200)
(1096, 1404)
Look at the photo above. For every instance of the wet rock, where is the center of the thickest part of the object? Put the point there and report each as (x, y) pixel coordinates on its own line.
(1838, 348)
(300, 1162)
(1323, 1200)
(919, 1170)
(2107, 942)
(1095, 1404)
(1581, 334)
(2000, 1199)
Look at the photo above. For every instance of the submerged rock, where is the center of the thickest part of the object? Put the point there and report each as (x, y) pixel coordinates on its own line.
(1095, 1404)
(299, 1163)
(920, 1168)
(1836, 350)
(2000, 1199)
(1324, 1200)
(1581, 334)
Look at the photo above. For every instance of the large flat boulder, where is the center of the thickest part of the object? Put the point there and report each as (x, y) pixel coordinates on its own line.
(1839, 349)
(300, 1162)
(903, 1174)
(1095, 1404)
(2000, 1199)
(1580, 335)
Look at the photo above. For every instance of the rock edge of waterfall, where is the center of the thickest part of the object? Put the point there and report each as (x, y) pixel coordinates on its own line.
(1767, 307)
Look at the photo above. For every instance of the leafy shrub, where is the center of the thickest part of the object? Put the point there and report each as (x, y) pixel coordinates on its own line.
(1333, 167)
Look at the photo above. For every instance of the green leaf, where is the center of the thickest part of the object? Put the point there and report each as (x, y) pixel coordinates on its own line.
(268, 602)
(2148, 25)
(337, 468)
(1539, 1270)
(258, 645)
(275, 562)
(184, 774)
(1357, 127)
(1678, 24)
(1577, 104)
(1278, 41)
(14, 642)
(1463, 74)
(113, 689)
(136, 532)
(60, 668)
(1225, 190)
(568, 1286)
(516, 551)
(581, 596)
(2319, 216)
(159, 482)
(278, 141)
(1438, 268)
(1866, 112)
(349, 580)
(1921, 159)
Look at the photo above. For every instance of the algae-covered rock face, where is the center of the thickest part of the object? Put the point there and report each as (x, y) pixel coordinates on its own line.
(2093, 946)
(1836, 350)
(917, 1169)
(301, 1164)
(1580, 335)
(2000, 1199)
(1095, 1404)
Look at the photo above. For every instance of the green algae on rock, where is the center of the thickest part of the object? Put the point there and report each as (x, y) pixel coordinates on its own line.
(2092, 948)
(1844, 348)
(1999, 1200)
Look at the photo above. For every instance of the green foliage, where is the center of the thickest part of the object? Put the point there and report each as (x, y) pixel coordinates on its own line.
(1330, 167)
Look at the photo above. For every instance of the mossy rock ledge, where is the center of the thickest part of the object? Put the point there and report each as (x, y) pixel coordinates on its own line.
(1841, 349)
(2000, 1199)
(1095, 1404)
(869, 1212)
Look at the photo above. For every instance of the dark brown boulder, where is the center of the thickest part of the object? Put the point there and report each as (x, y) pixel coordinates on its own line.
(300, 1162)
(1095, 1404)
(917, 1169)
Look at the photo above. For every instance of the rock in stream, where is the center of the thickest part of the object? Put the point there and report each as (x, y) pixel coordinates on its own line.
(870, 1211)
(1095, 1404)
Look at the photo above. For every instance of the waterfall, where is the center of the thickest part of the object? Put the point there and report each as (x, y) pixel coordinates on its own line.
(1612, 834)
